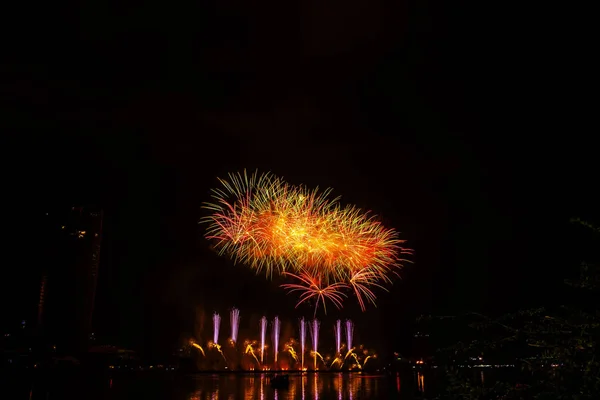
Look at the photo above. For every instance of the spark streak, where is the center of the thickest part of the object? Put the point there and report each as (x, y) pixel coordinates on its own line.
(196, 345)
(349, 333)
(234, 319)
(218, 347)
(312, 288)
(250, 350)
(263, 334)
(337, 329)
(302, 339)
(292, 352)
(216, 327)
(315, 339)
(275, 332)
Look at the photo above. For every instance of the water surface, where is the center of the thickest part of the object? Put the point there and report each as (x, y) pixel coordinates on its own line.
(323, 386)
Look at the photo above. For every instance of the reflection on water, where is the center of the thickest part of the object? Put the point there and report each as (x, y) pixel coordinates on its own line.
(311, 387)
(421, 382)
(318, 386)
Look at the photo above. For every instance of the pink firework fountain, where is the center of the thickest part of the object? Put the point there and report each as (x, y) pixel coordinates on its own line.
(216, 327)
(234, 319)
(337, 329)
(315, 339)
(302, 339)
(349, 335)
(263, 334)
(275, 331)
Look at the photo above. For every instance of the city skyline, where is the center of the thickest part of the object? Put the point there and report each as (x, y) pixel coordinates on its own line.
(70, 253)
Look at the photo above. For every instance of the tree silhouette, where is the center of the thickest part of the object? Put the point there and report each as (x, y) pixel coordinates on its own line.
(556, 350)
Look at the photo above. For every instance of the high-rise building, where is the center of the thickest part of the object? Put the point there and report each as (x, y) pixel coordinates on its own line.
(71, 259)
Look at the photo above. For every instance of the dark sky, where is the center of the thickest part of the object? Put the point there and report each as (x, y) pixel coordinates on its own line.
(458, 124)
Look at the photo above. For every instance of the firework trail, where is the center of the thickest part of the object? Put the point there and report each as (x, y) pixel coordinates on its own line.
(216, 327)
(356, 359)
(275, 331)
(335, 360)
(263, 334)
(292, 352)
(317, 354)
(218, 347)
(250, 350)
(361, 282)
(315, 338)
(273, 226)
(348, 354)
(349, 334)
(234, 319)
(302, 339)
(337, 329)
(196, 345)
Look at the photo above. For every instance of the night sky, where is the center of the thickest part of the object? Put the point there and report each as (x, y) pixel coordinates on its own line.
(459, 132)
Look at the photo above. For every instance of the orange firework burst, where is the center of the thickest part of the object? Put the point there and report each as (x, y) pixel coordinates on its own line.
(262, 221)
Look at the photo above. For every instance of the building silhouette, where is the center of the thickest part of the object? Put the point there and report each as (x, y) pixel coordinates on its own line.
(71, 259)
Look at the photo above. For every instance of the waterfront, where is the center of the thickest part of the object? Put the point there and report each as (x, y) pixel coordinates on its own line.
(340, 386)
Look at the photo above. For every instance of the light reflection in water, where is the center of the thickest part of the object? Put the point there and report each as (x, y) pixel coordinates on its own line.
(304, 377)
(319, 386)
(249, 388)
(421, 382)
(262, 387)
(482, 379)
(398, 382)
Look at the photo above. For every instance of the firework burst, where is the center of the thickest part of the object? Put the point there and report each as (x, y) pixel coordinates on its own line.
(275, 227)
(312, 288)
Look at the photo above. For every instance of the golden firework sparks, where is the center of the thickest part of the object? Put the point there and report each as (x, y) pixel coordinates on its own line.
(276, 227)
